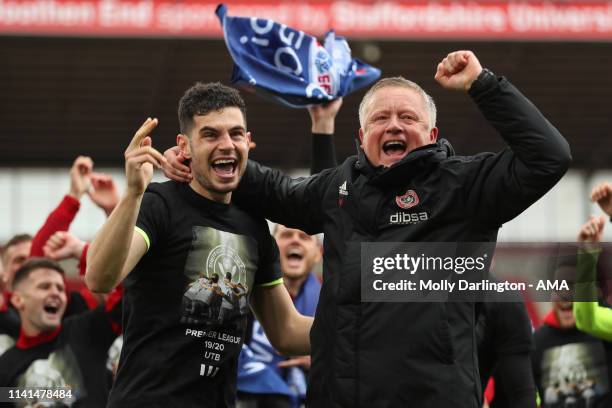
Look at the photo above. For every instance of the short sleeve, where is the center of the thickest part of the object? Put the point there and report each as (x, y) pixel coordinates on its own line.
(268, 270)
(153, 218)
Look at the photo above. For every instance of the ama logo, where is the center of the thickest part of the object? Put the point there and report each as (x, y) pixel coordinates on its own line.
(407, 200)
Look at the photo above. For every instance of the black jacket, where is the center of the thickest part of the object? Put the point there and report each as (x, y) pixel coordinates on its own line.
(421, 355)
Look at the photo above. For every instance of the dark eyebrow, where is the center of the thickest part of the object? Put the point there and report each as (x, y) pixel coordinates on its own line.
(209, 129)
(215, 130)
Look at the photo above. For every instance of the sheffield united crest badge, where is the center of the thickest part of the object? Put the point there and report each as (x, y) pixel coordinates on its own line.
(407, 200)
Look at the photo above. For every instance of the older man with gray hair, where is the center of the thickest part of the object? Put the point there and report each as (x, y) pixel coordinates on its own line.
(385, 354)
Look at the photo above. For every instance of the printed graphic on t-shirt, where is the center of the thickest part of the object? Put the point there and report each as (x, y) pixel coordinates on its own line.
(574, 375)
(221, 269)
(60, 369)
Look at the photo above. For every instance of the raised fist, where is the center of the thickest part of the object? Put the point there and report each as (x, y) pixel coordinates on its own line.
(458, 70)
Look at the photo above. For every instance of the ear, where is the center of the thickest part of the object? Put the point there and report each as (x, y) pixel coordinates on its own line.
(249, 139)
(361, 134)
(17, 300)
(184, 146)
(433, 135)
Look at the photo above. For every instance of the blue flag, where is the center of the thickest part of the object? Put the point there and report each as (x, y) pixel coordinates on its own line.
(256, 377)
(290, 66)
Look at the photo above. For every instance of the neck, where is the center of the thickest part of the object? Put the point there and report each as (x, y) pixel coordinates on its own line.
(27, 339)
(223, 198)
(293, 285)
(29, 330)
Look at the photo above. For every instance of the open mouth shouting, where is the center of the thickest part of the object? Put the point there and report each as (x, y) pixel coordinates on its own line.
(225, 168)
(295, 256)
(395, 149)
(52, 309)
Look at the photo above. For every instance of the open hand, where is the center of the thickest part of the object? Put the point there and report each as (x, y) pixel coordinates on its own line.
(103, 192)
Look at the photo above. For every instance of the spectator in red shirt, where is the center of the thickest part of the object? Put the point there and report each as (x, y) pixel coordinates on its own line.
(52, 240)
(53, 352)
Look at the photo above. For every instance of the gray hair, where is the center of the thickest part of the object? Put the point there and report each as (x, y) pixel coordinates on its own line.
(398, 82)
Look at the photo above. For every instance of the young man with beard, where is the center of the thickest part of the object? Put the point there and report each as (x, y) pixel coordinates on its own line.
(179, 349)
(51, 352)
(402, 167)
(52, 240)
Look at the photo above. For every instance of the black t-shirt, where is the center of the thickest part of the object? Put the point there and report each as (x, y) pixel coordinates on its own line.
(571, 368)
(75, 358)
(9, 327)
(186, 301)
(504, 343)
(503, 328)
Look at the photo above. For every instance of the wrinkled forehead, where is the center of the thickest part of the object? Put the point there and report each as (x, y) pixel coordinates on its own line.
(395, 97)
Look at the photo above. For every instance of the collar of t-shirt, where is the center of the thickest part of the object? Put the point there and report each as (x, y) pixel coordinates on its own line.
(201, 201)
(24, 341)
